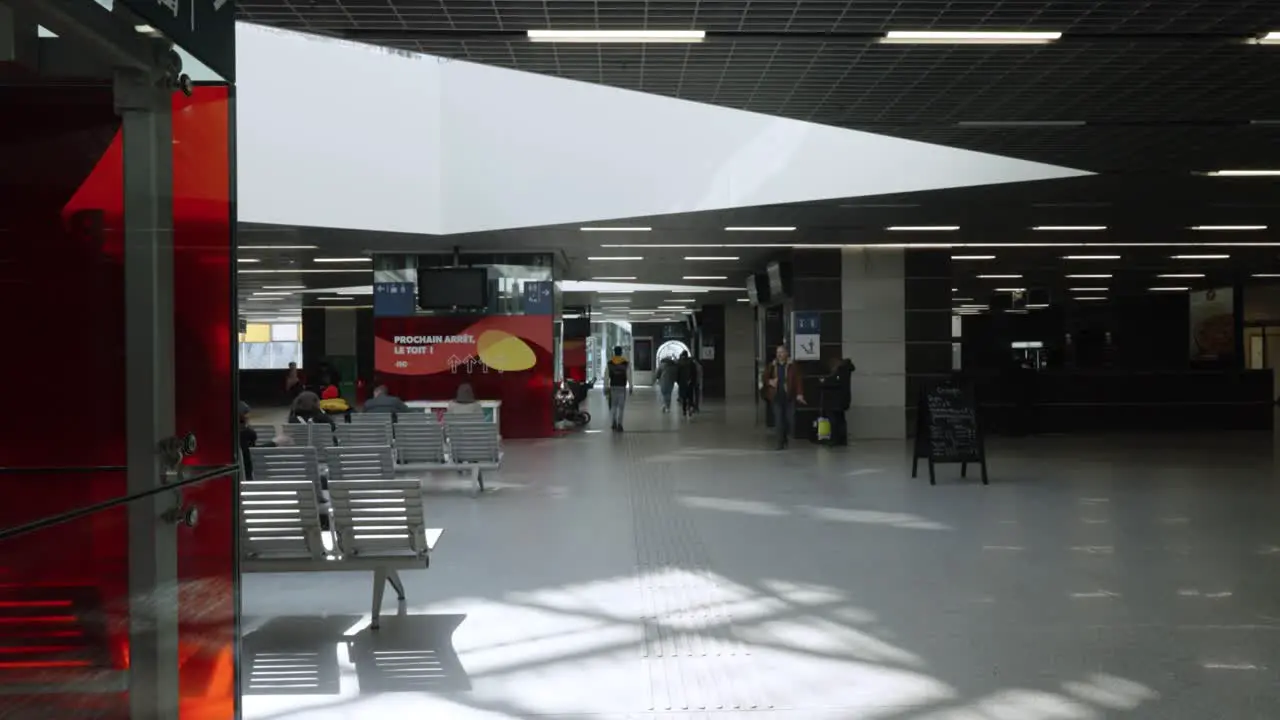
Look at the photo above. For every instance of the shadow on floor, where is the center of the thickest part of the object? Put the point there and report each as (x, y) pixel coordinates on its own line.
(410, 653)
(295, 655)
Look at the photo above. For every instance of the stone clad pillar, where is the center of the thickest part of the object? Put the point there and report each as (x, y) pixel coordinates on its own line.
(873, 333)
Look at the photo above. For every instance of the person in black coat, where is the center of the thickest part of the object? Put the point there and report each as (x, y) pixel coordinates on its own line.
(836, 398)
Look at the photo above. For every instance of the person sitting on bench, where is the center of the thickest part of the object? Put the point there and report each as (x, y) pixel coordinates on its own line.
(384, 402)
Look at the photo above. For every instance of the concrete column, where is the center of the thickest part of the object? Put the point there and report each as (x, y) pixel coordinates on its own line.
(873, 319)
(739, 351)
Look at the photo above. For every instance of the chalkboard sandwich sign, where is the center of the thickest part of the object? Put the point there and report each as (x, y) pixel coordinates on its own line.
(947, 430)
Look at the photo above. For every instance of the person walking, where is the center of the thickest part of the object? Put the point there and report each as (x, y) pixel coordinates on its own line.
(666, 381)
(783, 388)
(618, 377)
(686, 375)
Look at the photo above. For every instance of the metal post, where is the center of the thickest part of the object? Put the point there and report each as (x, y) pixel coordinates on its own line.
(143, 100)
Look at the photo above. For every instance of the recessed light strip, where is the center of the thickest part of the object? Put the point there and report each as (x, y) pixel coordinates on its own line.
(616, 229)
(981, 37)
(617, 36)
(923, 228)
(1070, 228)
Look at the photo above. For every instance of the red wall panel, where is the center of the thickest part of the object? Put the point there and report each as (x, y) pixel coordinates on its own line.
(504, 357)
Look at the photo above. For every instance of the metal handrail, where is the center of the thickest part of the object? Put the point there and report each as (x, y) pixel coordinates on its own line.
(214, 471)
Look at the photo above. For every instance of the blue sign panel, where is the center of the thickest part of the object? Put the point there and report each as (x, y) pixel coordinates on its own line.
(538, 298)
(394, 299)
(808, 323)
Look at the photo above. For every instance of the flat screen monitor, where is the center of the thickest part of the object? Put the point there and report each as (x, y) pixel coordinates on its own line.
(779, 274)
(448, 288)
(758, 289)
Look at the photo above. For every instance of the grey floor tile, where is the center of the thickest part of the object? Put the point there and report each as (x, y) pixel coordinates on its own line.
(685, 571)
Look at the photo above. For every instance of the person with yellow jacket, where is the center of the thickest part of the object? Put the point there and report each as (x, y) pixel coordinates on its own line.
(618, 377)
(783, 387)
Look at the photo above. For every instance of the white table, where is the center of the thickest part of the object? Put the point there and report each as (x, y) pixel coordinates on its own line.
(492, 408)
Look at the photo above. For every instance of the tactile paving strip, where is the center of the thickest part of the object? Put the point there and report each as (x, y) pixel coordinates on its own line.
(694, 659)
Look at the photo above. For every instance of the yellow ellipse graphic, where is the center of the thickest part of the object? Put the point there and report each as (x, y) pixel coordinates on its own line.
(504, 351)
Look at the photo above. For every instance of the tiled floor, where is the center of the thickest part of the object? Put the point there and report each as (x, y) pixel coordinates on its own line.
(686, 571)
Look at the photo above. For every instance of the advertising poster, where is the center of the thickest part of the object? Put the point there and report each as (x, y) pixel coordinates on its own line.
(504, 357)
(1213, 324)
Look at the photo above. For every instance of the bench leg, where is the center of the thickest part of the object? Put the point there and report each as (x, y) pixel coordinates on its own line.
(379, 587)
(479, 479)
(393, 577)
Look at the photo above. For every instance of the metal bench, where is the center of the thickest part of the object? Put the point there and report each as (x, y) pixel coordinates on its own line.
(379, 526)
(474, 447)
(372, 418)
(420, 444)
(364, 434)
(361, 462)
(287, 464)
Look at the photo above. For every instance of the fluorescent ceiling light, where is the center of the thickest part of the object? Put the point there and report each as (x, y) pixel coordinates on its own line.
(999, 277)
(1011, 290)
(1037, 306)
(709, 257)
(337, 297)
(974, 307)
(1084, 289)
(264, 299)
(247, 260)
(619, 257)
(1089, 277)
(1088, 298)
(1201, 257)
(760, 228)
(284, 287)
(616, 292)
(610, 300)
(672, 307)
(265, 294)
(680, 300)
(615, 277)
(1244, 173)
(1229, 227)
(616, 229)
(1090, 257)
(1266, 275)
(705, 277)
(923, 228)
(1069, 228)
(1169, 289)
(296, 270)
(973, 257)
(276, 247)
(1182, 275)
(1271, 38)
(743, 300)
(979, 37)
(617, 36)
(642, 312)
(961, 299)
(344, 260)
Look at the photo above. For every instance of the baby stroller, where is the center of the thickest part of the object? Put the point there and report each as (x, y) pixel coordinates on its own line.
(569, 398)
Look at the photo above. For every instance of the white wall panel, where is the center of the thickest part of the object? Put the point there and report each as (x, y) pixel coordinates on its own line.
(336, 134)
(525, 150)
(339, 134)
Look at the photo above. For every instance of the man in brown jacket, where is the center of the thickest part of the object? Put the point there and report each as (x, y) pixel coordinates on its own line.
(783, 388)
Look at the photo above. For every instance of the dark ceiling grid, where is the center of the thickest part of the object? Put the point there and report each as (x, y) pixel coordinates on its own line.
(1171, 66)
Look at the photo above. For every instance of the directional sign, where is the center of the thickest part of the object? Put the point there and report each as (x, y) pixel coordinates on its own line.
(204, 28)
(394, 299)
(538, 298)
(806, 327)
